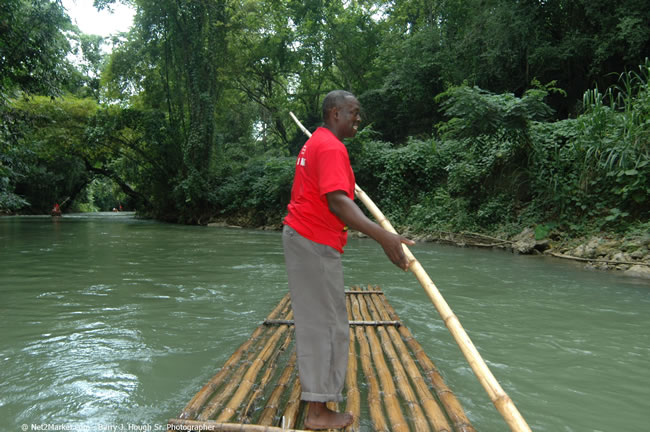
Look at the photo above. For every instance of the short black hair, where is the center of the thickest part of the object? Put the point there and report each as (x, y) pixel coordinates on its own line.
(334, 99)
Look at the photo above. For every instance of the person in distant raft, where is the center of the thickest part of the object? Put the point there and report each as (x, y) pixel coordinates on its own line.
(314, 234)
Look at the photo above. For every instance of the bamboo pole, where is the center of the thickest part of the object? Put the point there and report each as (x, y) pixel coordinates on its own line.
(499, 398)
(445, 395)
(435, 413)
(375, 323)
(302, 128)
(291, 410)
(401, 377)
(393, 409)
(393, 345)
(211, 425)
(353, 400)
(249, 378)
(214, 404)
(266, 378)
(218, 400)
(374, 398)
(360, 291)
(273, 403)
(194, 405)
(191, 410)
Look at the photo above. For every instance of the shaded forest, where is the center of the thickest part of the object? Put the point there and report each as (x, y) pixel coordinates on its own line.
(481, 115)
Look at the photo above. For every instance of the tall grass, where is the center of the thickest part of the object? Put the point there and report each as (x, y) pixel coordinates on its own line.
(617, 122)
(597, 166)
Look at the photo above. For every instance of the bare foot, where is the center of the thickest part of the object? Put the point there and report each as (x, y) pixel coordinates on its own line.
(320, 417)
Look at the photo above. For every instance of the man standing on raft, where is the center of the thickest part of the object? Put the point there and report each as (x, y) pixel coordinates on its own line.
(315, 231)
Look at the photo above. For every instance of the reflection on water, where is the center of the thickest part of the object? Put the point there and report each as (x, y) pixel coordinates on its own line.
(110, 320)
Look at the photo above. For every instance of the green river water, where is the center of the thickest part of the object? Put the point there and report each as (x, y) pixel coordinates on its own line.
(113, 323)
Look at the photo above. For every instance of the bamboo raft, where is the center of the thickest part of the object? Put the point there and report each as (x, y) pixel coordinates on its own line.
(390, 380)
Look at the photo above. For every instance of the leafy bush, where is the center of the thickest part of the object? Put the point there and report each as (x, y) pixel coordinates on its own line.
(438, 211)
(260, 191)
(597, 166)
(270, 193)
(11, 202)
(478, 114)
(396, 176)
(487, 144)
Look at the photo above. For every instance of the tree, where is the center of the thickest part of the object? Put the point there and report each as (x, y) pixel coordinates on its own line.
(502, 46)
(174, 59)
(51, 136)
(33, 46)
(84, 77)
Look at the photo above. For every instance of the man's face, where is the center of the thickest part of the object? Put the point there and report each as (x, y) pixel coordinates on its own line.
(349, 117)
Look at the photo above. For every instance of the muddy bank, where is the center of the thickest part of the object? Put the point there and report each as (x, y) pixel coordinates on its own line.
(629, 256)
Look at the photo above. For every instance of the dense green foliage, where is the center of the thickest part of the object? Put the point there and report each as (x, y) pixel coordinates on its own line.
(498, 163)
(482, 115)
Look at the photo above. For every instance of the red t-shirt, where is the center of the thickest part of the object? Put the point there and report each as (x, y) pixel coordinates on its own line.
(323, 166)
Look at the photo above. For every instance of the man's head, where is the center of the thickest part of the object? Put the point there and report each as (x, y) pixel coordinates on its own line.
(341, 113)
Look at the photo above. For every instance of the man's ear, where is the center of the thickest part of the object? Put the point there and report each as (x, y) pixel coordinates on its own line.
(334, 113)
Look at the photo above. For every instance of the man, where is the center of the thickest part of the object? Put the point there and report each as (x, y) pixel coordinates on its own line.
(320, 211)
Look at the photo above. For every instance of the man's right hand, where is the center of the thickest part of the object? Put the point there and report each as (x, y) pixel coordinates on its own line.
(392, 245)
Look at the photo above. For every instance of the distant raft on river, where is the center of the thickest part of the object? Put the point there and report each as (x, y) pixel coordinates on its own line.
(390, 379)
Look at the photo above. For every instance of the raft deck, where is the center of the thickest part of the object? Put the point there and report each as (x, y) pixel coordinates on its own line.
(390, 379)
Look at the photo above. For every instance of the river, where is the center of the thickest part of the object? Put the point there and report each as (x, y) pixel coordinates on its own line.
(108, 321)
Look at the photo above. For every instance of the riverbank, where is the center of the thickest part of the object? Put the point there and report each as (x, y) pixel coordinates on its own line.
(627, 255)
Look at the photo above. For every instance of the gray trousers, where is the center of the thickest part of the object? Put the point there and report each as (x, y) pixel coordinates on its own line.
(315, 276)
